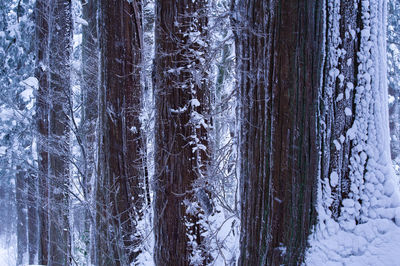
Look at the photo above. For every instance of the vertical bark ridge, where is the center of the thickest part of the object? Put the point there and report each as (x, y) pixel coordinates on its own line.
(181, 149)
(60, 36)
(279, 62)
(41, 68)
(120, 189)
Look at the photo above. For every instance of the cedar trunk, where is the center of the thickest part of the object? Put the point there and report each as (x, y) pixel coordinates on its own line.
(90, 63)
(120, 188)
(59, 113)
(182, 100)
(279, 57)
(42, 111)
(336, 96)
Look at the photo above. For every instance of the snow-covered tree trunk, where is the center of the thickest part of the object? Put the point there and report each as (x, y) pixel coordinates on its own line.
(182, 121)
(120, 184)
(337, 97)
(32, 216)
(358, 190)
(393, 44)
(60, 36)
(279, 57)
(90, 66)
(368, 188)
(42, 112)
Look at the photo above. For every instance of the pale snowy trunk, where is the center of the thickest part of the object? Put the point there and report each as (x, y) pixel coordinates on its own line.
(365, 187)
(32, 216)
(337, 94)
(90, 61)
(393, 44)
(20, 198)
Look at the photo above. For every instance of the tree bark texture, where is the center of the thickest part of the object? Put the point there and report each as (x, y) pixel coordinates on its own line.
(343, 18)
(60, 36)
(32, 216)
(120, 187)
(90, 63)
(42, 112)
(20, 198)
(182, 100)
(279, 57)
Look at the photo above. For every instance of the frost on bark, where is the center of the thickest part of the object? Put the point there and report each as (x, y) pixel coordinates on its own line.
(60, 35)
(358, 182)
(20, 192)
(120, 188)
(181, 129)
(32, 216)
(279, 57)
(336, 108)
(393, 45)
(90, 65)
(42, 111)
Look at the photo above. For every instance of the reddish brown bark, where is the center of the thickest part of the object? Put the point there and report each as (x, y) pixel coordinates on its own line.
(279, 55)
(120, 184)
(179, 77)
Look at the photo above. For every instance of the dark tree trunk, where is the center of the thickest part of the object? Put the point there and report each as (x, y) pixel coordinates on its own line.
(279, 56)
(120, 185)
(182, 101)
(60, 97)
(42, 112)
(90, 63)
(20, 193)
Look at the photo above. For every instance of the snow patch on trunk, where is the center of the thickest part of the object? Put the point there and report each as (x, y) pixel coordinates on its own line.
(367, 231)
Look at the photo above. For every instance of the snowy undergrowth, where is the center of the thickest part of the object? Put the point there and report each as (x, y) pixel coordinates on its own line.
(367, 231)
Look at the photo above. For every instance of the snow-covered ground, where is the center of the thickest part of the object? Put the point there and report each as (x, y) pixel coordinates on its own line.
(7, 252)
(374, 243)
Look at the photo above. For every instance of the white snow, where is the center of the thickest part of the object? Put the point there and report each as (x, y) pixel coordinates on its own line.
(334, 179)
(31, 83)
(8, 251)
(373, 243)
(337, 145)
(81, 21)
(367, 230)
(347, 111)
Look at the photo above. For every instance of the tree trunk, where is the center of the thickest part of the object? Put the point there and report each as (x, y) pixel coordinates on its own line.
(42, 111)
(340, 75)
(279, 57)
(182, 100)
(60, 97)
(90, 63)
(120, 187)
(20, 193)
(32, 216)
(359, 184)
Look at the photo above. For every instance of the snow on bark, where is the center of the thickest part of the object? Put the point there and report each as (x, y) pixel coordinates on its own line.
(369, 210)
